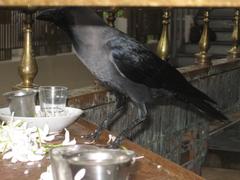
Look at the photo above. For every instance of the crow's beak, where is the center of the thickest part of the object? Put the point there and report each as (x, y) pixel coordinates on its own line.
(47, 15)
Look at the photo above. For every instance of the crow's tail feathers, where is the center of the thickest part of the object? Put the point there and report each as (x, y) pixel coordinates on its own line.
(210, 110)
(204, 103)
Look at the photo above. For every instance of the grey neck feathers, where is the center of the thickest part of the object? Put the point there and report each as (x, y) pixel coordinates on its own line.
(84, 26)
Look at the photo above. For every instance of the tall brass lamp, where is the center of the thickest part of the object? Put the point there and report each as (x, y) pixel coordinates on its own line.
(28, 66)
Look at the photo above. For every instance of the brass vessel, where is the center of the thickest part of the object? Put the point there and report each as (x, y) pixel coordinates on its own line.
(28, 66)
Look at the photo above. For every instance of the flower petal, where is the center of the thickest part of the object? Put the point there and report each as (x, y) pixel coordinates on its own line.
(8, 155)
(49, 138)
(80, 174)
(46, 129)
(66, 137)
(47, 175)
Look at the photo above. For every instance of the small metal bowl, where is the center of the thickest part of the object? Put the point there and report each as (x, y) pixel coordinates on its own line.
(103, 164)
(98, 163)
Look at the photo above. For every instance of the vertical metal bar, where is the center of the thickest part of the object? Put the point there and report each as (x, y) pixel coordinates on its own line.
(163, 44)
(11, 30)
(203, 57)
(234, 52)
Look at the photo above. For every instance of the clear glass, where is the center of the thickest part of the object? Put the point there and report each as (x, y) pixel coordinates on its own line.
(52, 100)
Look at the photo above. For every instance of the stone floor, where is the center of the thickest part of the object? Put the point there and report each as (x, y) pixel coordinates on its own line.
(220, 174)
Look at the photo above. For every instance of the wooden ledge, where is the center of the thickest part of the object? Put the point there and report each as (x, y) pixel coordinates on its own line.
(218, 66)
(91, 96)
(150, 167)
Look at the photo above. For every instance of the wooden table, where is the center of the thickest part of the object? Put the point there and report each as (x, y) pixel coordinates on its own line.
(151, 167)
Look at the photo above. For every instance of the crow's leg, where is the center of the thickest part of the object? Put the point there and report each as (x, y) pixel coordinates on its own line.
(121, 105)
(142, 116)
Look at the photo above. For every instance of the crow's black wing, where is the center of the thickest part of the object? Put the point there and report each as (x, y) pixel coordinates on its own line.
(139, 64)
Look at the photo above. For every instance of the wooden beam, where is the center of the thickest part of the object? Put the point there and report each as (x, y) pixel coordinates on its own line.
(128, 3)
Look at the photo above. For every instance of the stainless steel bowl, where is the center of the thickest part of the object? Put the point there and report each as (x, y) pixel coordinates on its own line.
(60, 166)
(98, 164)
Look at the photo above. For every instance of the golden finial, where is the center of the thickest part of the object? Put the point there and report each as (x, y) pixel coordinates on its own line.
(234, 52)
(163, 44)
(203, 57)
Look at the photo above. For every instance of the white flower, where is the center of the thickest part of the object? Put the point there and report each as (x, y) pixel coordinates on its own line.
(111, 138)
(20, 143)
(8, 155)
(35, 157)
(47, 175)
(66, 140)
(44, 134)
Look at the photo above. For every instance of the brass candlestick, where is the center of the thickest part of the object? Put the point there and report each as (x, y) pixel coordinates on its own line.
(202, 57)
(234, 52)
(163, 44)
(28, 66)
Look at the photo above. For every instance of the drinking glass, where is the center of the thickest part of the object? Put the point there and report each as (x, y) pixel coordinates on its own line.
(52, 100)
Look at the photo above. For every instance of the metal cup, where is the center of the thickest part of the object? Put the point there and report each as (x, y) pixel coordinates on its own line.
(96, 163)
(21, 102)
(103, 164)
(60, 167)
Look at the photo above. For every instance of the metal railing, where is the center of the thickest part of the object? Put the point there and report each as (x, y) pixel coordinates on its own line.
(47, 38)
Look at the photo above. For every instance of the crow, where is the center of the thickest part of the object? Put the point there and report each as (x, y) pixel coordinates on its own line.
(125, 66)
